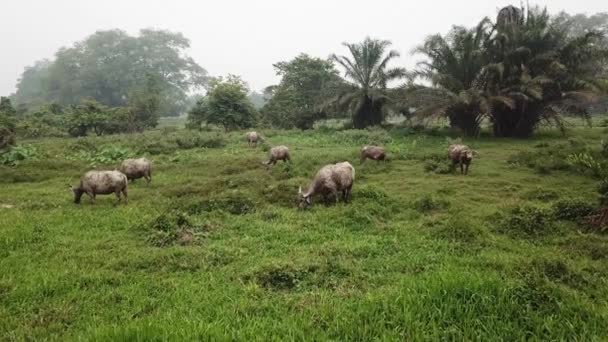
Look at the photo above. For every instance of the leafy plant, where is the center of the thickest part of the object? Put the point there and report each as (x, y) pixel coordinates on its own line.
(18, 154)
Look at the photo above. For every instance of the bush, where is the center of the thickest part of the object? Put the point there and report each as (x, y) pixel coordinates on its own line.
(587, 163)
(572, 209)
(438, 164)
(18, 154)
(527, 221)
(105, 156)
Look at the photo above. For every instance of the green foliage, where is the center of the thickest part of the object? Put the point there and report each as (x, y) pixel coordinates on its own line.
(225, 105)
(518, 76)
(438, 164)
(107, 155)
(216, 219)
(108, 65)
(526, 221)
(454, 61)
(572, 209)
(7, 123)
(587, 163)
(171, 228)
(364, 94)
(45, 121)
(297, 100)
(17, 154)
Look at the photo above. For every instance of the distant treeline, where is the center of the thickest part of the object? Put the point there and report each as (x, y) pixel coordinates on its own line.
(519, 71)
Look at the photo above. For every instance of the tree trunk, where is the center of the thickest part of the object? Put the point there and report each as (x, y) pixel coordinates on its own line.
(519, 122)
(369, 114)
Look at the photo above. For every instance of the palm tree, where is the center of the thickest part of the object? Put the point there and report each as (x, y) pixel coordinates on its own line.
(452, 66)
(364, 93)
(545, 73)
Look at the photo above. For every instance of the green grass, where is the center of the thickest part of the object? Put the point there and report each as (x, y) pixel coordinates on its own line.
(214, 248)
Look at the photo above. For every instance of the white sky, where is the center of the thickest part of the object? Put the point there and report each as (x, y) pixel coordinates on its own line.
(243, 37)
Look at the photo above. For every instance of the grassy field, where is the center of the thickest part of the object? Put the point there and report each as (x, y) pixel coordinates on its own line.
(214, 249)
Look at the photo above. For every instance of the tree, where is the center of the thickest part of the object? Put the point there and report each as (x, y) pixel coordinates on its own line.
(523, 71)
(452, 66)
(7, 123)
(144, 105)
(297, 100)
(226, 105)
(367, 74)
(109, 65)
(91, 115)
(544, 71)
(32, 86)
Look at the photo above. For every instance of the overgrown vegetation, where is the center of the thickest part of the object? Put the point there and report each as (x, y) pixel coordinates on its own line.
(503, 243)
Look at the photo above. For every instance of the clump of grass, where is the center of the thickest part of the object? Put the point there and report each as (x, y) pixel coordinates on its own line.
(457, 229)
(572, 209)
(437, 164)
(526, 221)
(556, 271)
(289, 277)
(169, 229)
(428, 203)
(543, 195)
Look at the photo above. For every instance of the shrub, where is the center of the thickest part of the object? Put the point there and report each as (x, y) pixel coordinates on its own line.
(587, 163)
(107, 155)
(572, 209)
(438, 164)
(526, 221)
(18, 154)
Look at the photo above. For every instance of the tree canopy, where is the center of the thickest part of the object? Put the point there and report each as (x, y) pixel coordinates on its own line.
(226, 105)
(367, 74)
(526, 69)
(110, 66)
(297, 100)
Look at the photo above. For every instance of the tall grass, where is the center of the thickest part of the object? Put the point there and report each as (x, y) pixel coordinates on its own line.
(215, 249)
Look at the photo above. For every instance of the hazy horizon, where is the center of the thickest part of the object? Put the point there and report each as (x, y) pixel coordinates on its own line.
(240, 37)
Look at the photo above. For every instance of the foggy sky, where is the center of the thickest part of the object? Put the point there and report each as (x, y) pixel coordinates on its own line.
(242, 37)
